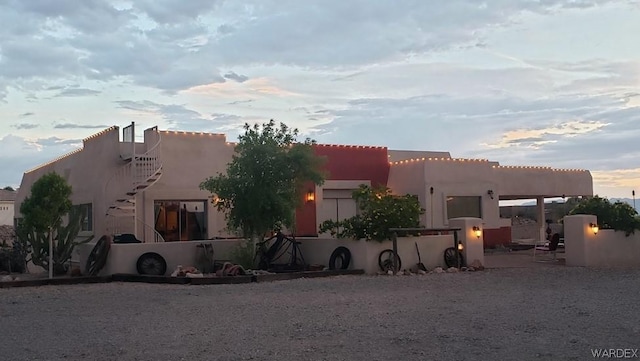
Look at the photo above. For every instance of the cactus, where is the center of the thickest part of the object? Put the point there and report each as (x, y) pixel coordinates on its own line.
(64, 241)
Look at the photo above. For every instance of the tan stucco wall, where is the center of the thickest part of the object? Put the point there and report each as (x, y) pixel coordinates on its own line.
(607, 249)
(475, 177)
(6, 213)
(188, 159)
(86, 170)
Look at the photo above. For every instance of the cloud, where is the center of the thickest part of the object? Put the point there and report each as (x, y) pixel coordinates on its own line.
(625, 178)
(537, 137)
(78, 92)
(173, 46)
(79, 126)
(26, 126)
(179, 117)
(20, 154)
(27, 114)
(233, 76)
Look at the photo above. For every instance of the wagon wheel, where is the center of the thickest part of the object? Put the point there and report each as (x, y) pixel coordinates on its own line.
(98, 257)
(450, 257)
(385, 260)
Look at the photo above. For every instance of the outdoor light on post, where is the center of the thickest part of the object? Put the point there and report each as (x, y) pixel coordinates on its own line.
(460, 246)
(310, 197)
(594, 227)
(477, 231)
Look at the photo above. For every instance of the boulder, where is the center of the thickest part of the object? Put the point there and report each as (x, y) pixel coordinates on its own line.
(477, 265)
(452, 270)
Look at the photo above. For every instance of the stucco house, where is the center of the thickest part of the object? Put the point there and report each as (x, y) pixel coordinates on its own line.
(151, 187)
(7, 207)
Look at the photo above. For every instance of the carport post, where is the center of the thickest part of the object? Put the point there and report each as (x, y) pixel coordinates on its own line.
(394, 241)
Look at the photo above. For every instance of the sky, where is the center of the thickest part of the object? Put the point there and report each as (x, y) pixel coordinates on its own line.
(537, 82)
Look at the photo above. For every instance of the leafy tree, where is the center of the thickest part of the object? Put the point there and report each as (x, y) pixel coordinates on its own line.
(619, 216)
(379, 210)
(43, 212)
(264, 182)
(9, 188)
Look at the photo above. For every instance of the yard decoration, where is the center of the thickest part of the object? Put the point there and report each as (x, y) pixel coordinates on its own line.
(379, 210)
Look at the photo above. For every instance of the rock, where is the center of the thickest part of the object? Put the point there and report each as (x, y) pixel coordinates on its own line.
(477, 265)
(470, 269)
(421, 272)
(6, 279)
(463, 269)
(390, 272)
(452, 270)
(438, 270)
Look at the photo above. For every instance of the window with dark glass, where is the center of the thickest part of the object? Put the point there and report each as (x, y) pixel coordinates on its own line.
(464, 206)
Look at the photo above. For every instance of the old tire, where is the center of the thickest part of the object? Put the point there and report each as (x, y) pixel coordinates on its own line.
(98, 257)
(340, 258)
(151, 264)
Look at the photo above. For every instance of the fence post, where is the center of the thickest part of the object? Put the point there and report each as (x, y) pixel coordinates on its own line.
(394, 241)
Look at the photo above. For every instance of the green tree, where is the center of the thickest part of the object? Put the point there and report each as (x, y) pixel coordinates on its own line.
(618, 216)
(264, 182)
(379, 210)
(43, 212)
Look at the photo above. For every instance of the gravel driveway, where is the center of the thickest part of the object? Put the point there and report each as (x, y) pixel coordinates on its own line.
(553, 313)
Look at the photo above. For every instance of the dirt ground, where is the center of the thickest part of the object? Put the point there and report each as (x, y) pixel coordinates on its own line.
(515, 311)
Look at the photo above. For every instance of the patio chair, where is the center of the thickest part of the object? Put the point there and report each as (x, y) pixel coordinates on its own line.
(548, 249)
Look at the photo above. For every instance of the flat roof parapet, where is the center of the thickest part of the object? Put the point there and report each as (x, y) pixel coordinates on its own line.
(440, 159)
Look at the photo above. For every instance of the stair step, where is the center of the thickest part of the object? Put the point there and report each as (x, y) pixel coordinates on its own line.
(132, 193)
(123, 207)
(127, 200)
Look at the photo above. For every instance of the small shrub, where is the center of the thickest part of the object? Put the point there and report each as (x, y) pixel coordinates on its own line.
(244, 254)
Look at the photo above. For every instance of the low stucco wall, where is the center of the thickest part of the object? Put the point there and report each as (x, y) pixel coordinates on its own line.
(607, 249)
(123, 257)
(364, 254)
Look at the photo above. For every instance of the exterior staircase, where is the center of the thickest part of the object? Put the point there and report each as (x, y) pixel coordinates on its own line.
(140, 172)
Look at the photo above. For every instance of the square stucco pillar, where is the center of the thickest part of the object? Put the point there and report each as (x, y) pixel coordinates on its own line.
(473, 246)
(577, 236)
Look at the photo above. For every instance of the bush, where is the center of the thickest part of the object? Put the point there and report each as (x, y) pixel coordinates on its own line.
(244, 254)
(618, 216)
(379, 210)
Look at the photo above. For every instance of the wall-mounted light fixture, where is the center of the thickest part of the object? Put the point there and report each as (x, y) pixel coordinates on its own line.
(214, 199)
(594, 228)
(477, 231)
(490, 193)
(310, 197)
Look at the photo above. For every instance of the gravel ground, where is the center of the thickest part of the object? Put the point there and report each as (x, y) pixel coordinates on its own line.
(552, 313)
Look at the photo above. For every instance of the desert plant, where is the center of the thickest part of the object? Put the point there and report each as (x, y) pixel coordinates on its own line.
(618, 216)
(43, 213)
(379, 210)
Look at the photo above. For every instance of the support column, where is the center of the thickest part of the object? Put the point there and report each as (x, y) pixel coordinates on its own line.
(542, 225)
(473, 246)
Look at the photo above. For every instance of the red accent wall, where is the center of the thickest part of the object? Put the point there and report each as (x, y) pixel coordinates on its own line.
(343, 162)
(496, 236)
